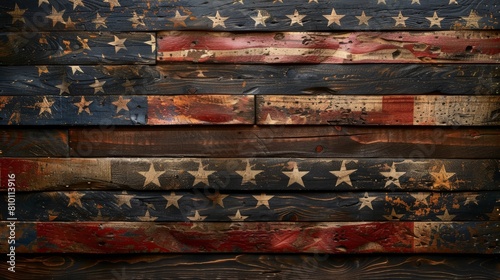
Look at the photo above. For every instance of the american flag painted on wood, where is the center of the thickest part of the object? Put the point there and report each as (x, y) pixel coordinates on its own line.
(249, 139)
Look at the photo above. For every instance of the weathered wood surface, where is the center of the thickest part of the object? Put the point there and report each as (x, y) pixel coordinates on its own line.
(75, 48)
(213, 206)
(355, 47)
(184, 78)
(251, 266)
(287, 141)
(126, 110)
(254, 237)
(252, 174)
(379, 110)
(33, 142)
(239, 15)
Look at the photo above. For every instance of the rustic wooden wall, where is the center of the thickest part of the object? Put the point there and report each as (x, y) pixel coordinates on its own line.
(285, 139)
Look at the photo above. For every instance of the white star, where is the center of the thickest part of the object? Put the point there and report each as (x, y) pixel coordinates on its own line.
(123, 198)
(56, 17)
(366, 201)
(218, 20)
(197, 217)
(118, 44)
(100, 21)
(136, 20)
(112, 4)
(151, 176)
(40, 2)
(441, 178)
(76, 3)
(260, 19)
(381, 2)
(178, 20)
(343, 174)
(393, 176)
(17, 14)
(74, 198)
(393, 215)
(147, 217)
(63, 86)
(472, 20)
(201, 175)
(152, 43)
(453, 2)
(263, 199)
(237, 217)
(400, 20)
(295, 176)
(172, 200)
(248, 174)
(45, 106)
(434, 20)
(363, 19)
(76, 68)
(121, 104)
(333, 18)
(97, 85)
(421, 197)
(471, 199)
(296, 18)
(415, 2)
(83, 105)
(446, 216)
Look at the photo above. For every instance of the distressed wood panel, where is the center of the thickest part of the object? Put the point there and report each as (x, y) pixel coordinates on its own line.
(287, 141)
(184, 78)
(126, 110)
(33, 142)
(379, 110)
(239, 15)
(213, 206)
(77, 48)
(253, 174)
(356, 47)
(254, 237)
(267, 266)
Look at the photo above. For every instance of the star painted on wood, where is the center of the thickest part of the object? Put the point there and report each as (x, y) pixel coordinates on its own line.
(151, 176)
(343, 174)
(74, 198)
(471, 199)
(435, 20)
(446, 216)
(315, 1)
(42, 70)
(415, 2)
(260, 18)
(393, 215)
(97, 86)
(218, 20)
(56, 17)
(136, 20)
(63, 86)
(400, 20)
(201, 175)
(275, 1)
(248, 174)
(495, 214)
(421, 197)
(40, 2)
(123, 198)
(77, 3)
(152, 43)
(172, 200)
(17, 14)
(83, 106)
(295, 176)
(238, 2)
(129, 85)
(363, 18)
(392, 176)
(381, 2)
(453, 2)
(269, 120)
(441, 178)
(121, 104)
(45, 106)
(74, 69)
(472, 20)
(296, 18)
(84, 43)
(333, 17)
(112, 4)
(100, 21)
(366, 201)
(197, 217)
(217, 198)
(118, 43)
(178, 19)
(70, 24)
(147, 217)
(263, 199)
(237, 217)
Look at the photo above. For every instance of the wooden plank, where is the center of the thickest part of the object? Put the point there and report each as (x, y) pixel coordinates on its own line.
(186, 78)
(33, 142)
(126, 110)
(254, 237)
(214, 206)
(239, 15)
(75, 48)
(287, 141)
(253, 174)
(379, 110)
(267, 266)
(355, 47)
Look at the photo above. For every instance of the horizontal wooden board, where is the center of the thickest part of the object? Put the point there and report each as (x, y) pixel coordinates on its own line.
(247, 266)
(239, 15)
(287, 141)
(213, 206)
(126, 110)
(33, 142)
(34, 48)
(356, 47)
(252, 174)
(379, 110)
(254, 237)
(187, 78)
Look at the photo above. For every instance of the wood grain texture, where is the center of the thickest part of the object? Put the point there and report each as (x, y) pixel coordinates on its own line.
(33, 142)
(213, 206)
(129, 15)
(254, 237)
(77, 48)
(357, 47)
(379, 110)
(286, 141)
(250, 174)
(186, 78)
(251, 266)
